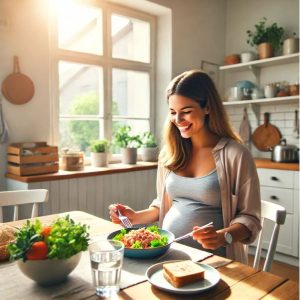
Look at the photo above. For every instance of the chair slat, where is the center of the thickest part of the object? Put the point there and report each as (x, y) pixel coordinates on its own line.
(277, 214)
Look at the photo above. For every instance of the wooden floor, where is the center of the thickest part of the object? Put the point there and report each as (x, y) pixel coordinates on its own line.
(280, 269)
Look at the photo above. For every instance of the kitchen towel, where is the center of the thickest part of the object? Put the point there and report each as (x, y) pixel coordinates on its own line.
(245, 128)
(3, 126)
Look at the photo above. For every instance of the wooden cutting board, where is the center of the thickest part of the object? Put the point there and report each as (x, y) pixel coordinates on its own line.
(17, 88)
(266, 135)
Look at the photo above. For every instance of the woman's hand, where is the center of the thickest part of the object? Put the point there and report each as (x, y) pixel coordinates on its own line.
(208, 237)
(124, 210)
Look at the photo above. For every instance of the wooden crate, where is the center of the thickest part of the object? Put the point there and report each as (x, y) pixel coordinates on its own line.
(32, 158)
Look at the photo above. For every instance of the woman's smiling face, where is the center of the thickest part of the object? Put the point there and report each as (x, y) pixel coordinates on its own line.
(187, 115)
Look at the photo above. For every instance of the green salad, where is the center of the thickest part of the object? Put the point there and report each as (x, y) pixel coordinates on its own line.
(142, 238)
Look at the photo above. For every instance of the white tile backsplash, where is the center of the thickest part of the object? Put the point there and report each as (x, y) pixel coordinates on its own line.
(281, 115)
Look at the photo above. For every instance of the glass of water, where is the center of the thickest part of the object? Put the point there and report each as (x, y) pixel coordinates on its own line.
(106, 261)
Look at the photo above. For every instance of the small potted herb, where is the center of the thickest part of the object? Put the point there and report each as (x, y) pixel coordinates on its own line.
(99, 152)
(267, 38)
(149, 149)
(128, 142)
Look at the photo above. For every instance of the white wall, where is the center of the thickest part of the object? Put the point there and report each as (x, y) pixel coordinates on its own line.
(241, 16)
(198, 33)
(201, 30)
(24, 32)
(26, 35)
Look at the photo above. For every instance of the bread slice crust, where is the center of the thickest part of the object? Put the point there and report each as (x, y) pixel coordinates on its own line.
(181, 273)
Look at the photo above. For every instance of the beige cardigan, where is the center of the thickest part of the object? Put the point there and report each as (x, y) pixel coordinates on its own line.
(240, 193)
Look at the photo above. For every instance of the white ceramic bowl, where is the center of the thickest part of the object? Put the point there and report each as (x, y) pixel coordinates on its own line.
(49, 271)
(247, 56)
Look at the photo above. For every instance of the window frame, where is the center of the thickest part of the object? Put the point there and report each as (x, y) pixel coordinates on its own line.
(105, 61)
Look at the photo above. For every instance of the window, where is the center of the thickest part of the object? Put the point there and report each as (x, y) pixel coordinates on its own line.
(103, 62)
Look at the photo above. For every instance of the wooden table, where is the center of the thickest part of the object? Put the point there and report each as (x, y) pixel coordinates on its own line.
(238, 281)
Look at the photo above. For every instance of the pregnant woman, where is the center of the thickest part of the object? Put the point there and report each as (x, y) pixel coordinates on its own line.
(204, 174)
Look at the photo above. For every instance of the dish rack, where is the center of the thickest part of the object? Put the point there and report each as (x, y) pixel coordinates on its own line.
(33, 158)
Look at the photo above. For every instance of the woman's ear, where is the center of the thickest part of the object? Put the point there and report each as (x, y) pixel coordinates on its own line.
(206, 110)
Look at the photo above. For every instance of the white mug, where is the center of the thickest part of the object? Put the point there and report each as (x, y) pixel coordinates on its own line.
(270, 91)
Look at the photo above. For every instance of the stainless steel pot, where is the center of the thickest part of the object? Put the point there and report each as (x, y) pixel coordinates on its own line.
(285, 153)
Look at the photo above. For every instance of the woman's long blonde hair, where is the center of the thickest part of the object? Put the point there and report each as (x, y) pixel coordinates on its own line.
(198, 86)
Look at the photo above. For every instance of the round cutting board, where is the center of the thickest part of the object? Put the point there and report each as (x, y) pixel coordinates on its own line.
(17, 88)
(266, 135)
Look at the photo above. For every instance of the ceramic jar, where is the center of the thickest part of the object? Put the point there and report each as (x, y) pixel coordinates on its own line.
(290, 46)
(270, 91)
(247, 56)
(293, 89)
(257, 93)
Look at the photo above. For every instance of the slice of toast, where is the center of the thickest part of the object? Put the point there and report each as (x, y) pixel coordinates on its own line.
(180, 273)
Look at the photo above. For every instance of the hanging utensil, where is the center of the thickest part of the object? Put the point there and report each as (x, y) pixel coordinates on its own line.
(296, 126)
(266, 135)
(245, 128)
(3, 126)
(17, 88)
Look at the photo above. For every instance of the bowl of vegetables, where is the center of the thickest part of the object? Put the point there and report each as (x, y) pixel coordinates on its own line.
(143, 242)
(48, 254)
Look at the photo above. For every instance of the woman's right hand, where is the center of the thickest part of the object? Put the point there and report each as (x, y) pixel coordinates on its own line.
(124, 210)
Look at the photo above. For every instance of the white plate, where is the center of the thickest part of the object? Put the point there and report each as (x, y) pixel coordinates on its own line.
(155, 276)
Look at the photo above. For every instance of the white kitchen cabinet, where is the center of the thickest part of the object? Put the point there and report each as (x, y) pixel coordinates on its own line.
(282, 187)
(92, 194)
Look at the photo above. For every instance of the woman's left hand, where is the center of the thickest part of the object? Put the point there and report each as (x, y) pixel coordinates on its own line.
(208, 237)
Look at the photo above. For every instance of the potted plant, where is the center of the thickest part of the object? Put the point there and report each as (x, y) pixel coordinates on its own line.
(291, 45)
(128, 143)
(267, 38)
(99, 151)
(149, 149)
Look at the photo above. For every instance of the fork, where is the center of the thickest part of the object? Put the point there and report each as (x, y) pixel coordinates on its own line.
(125, 221)
(191, 233)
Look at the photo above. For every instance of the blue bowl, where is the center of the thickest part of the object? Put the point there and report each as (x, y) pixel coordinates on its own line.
(149, 252)
(245, 84)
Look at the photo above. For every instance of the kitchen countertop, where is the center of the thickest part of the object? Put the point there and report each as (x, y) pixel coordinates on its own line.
(119, 168)
(88, 171)
(268, 164)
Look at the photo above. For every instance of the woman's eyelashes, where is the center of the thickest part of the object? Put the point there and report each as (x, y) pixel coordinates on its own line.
(183, 112)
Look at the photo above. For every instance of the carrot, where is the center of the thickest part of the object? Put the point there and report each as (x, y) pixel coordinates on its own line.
(38, 250)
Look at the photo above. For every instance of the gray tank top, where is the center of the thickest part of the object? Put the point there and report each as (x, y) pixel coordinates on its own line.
(196, 201)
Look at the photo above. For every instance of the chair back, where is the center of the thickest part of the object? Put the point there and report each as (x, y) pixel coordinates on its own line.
(16, 198)
(275, 213)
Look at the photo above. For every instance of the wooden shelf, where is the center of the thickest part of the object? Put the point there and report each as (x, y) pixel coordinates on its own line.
(267, 62)
(289, 99)
(86, 172)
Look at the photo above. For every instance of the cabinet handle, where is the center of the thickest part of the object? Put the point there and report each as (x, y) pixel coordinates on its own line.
(274, 178)
(274, 198)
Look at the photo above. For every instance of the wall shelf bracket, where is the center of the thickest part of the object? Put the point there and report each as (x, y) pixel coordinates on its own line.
(256, 73)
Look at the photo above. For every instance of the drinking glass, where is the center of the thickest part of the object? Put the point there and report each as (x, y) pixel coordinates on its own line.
(106, 261)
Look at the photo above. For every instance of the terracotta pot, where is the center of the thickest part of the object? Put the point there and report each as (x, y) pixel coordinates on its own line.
(232, 59)
(265, 50)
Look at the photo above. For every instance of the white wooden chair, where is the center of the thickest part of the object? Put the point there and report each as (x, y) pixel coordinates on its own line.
(19, 197)
(275, 213)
